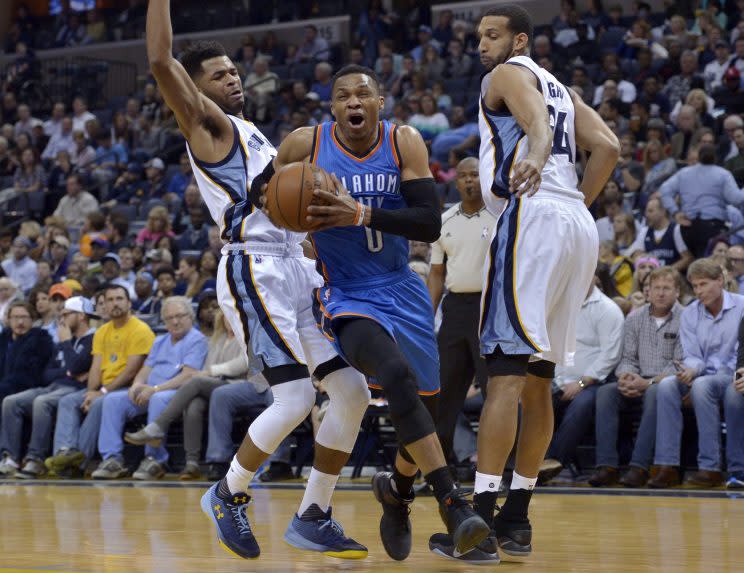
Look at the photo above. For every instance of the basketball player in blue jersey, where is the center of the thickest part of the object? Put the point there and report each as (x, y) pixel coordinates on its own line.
(376, 311)
(542, 260)
(264, 285)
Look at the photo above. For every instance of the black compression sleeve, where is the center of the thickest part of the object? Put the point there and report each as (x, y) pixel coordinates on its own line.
(259, 182)
(420, 221)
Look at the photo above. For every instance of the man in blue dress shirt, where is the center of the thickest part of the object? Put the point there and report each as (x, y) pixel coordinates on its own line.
(708, 332)
(704, 190)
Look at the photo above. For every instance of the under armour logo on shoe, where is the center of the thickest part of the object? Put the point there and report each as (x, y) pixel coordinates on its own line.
(242, 499)
(217, 511)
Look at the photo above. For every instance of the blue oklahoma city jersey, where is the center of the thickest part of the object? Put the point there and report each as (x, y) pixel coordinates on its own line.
(374, 179)
(366, 271)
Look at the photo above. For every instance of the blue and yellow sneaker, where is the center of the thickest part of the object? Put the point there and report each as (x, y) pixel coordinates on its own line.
(228, 515)
(318, 531)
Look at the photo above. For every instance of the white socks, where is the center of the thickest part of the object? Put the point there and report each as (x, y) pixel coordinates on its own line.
(238, 477)
(486, 482)
(521, 482)
(319, 490)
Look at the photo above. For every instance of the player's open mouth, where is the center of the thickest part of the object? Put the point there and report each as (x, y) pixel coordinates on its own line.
(237, 94)
(356, 120)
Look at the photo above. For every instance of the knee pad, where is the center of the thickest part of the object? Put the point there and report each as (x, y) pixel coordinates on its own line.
(292, 403)
(349, 398)
(500, 364)
(541, 369)
(410, 417)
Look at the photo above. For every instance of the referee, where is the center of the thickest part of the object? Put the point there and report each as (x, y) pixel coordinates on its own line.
(457, 260)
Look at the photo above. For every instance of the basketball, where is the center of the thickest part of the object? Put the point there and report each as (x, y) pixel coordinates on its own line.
(290, 192)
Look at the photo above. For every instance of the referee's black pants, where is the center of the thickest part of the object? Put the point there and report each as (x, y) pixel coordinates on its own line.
(459, 362)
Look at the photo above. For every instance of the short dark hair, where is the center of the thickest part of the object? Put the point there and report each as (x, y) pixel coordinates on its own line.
(25, 305)
(165, 270)
(111, 286)
(193, 56)
(354, 69)
(707, 154)
(519, 20)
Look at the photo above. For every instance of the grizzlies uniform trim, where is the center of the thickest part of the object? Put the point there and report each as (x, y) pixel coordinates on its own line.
(263, 313)
(502, 279)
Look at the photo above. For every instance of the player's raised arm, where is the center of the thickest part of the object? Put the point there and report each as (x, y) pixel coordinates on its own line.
(202, 122)
(593, 135)
(515, 87)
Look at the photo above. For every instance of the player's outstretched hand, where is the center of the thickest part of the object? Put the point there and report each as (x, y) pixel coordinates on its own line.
(526, 178)
(332, 209)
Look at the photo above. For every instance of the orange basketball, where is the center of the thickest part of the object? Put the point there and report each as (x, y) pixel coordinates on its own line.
(290, 192)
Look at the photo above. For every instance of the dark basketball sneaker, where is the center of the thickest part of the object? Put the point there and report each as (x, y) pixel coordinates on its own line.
(514, 537)
(485, 553)
(228, 515)
(466, 527)
(395, 525)
(316, 530)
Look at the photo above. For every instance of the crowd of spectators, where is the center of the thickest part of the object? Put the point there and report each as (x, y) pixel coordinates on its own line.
(101, 204)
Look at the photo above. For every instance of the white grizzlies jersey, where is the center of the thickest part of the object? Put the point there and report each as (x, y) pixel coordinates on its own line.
(225, 187)
(504, 143)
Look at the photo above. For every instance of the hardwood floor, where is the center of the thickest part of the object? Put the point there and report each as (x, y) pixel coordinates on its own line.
(149, 529)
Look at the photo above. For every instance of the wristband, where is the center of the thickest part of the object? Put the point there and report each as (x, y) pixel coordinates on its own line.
(103, 390)
(361, 211)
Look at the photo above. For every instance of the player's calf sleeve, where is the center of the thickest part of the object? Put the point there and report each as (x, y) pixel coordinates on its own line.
(349, 398)
(292, 403)
(410, 417)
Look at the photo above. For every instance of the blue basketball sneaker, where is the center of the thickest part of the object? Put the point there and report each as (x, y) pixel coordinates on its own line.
(318, 531)
(228, 515)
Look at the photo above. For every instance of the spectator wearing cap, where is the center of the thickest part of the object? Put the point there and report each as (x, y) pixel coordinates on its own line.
(66, 372)
(98, 248)
(730, 95)
(708, 331)
(704, 190)
(120, 347)
(21, 269)
(129, 188)
(662, 238)
(111, 272)
(76, 204)
(145, 301)
(49, 305)
(24, 350)
(425, 38)
(173, 360)
(314, 47)
(713, 71)
(155, 174)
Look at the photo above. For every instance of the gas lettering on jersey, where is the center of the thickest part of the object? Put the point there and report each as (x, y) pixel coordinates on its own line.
(369, 183)
(555, 91)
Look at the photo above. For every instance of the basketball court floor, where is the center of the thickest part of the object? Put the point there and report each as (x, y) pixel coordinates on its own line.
(128, 527)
